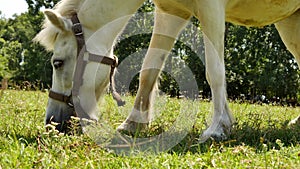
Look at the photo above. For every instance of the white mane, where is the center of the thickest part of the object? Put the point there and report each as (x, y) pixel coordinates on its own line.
(48, 34)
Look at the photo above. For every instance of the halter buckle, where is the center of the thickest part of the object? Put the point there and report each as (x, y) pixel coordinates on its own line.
(77, 29)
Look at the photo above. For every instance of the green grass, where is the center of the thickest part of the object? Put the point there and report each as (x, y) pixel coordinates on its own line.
(261, 138)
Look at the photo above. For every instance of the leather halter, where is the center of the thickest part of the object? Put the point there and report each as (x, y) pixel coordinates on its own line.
(80, 67)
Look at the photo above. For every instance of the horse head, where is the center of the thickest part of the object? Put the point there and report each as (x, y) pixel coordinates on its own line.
(59, 36)
(63, 63)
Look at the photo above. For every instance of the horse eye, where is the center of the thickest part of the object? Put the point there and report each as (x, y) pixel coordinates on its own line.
(58, 63)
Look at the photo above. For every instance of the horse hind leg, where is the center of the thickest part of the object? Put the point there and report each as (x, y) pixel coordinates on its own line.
(289, 31)
(166, 29)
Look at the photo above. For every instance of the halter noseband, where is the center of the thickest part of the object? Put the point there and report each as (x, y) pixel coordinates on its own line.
(80, 67)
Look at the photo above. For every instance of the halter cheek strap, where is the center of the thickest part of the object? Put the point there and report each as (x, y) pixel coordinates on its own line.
(62, 98)
(80, 67)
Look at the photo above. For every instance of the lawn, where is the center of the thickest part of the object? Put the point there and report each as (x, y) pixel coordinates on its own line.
(260, 139)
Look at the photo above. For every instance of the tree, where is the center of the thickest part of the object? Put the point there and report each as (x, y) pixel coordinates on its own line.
(17, 47)
(34, 6)
(257, 63)
(132, 41)
(4, 70)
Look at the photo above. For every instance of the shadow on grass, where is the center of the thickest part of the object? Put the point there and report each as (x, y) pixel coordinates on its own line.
(21, 138)
(256, 130)
(246, 134)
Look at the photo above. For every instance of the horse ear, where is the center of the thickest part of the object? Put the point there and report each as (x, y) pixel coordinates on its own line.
(57, 20)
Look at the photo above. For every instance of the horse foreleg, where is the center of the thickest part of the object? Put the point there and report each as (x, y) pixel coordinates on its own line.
(166, 29)
(213, 24)
(289, 30)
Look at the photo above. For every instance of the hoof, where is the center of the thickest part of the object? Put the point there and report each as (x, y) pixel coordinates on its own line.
(131, 128)
(219, 133)
(218, 137)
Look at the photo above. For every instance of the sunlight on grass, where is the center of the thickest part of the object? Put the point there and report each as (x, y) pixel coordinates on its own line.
(260, 139)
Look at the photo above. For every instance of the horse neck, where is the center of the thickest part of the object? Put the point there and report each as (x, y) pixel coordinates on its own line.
(103, 21)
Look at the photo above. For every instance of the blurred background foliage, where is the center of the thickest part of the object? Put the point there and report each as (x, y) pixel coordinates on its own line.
(257, 62)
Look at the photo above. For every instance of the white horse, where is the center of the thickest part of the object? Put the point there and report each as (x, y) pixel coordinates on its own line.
(57, 35)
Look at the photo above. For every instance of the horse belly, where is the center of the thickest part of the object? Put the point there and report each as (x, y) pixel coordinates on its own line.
(259, 12)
